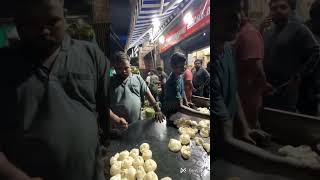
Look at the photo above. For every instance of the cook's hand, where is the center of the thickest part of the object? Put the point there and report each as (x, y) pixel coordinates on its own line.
(258, 134)
(123, 123)
(269, 89)
(159, 117)
(246, 138)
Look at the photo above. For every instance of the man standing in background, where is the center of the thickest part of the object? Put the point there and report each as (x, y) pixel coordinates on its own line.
(291, 55)
(249, 51)
(201, 77)
(188, 86)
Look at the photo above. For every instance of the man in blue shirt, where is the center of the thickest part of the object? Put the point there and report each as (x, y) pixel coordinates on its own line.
(175, 96)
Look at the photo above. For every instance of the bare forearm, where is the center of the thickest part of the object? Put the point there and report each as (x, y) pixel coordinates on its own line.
(153, 102)
(113, 116)
(243, 124)
(9, 171)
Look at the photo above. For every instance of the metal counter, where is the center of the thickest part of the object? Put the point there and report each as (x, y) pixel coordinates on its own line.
(169, 163)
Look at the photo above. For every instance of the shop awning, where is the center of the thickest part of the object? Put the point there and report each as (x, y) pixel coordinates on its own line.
(150, 17)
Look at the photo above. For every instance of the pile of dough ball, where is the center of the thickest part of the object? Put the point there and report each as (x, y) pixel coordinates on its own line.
(176, 146)
(301, 153)
(204, 110)
(134, 165)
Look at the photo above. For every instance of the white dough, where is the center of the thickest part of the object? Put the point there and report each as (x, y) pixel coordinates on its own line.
(285, 150)
(126, 163)
(166, 178)
(206, 147)
(194, 123)
(132, 173)
(140, 173)
(150, 165)
(174, 145)
(123, 155)
(124, 173)
(146, 154)
(185, 139)
(144, 146)
(185, 152)
(204, 132)
(134, 153)
(199, 141)
(115, 168)
(138, 161)
(116, 177)
(151, 176)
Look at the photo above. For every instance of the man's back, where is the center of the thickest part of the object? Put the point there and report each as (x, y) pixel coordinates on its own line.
(49, 127)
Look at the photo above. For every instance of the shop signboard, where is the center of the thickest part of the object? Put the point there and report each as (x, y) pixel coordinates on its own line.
(201, 18)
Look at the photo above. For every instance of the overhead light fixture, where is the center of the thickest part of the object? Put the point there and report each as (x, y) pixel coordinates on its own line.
(156, 23)
(169, 39)
(204, 34)
(161, 39)
(188, 19)
(179, 1)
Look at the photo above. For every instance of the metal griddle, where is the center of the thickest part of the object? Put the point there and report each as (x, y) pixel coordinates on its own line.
(169, 163)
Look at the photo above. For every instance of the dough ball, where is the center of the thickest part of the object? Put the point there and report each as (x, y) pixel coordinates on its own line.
(116, 177)
(131, 173)
(206, 147)
(199, 141)
(134, 153)
(115, 168)
(185, 139)
(150, 165)
(116, 155)
(182, 130)
(166, 178)
(151, 176)
(192, 132)
(185, 152)
(286, 150)
(124, 173)
(124, 179)
(174, 145)
(204, 132)
(138, 161)
(202, 124)
(147, 154)
(140, 173)
(123, 155)
(304, 149)
(194, 123)
(113, 160)
(144, 146)
(126, 163)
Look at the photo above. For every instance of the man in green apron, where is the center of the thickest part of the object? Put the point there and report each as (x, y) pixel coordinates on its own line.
(53, 89)
(127, 91)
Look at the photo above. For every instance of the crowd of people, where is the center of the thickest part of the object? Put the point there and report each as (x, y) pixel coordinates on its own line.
(278, 68)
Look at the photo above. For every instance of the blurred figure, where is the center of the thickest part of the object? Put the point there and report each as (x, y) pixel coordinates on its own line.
(309, 98)
(162, 79)
(200, 78)
(249, 51)
(226, 108)
(153, 83)
(291, 55)
(188, 86)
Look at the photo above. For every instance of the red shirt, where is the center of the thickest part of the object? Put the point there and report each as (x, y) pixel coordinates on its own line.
(187, 77)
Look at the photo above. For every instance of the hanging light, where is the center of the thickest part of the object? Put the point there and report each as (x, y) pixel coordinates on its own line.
(188, 19)
(161, 39)
(156, 23)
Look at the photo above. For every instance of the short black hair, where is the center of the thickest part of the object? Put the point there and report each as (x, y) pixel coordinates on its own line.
(159, 68)
(120, 57)
(315, 9)
(177, 58)
(292, 3)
